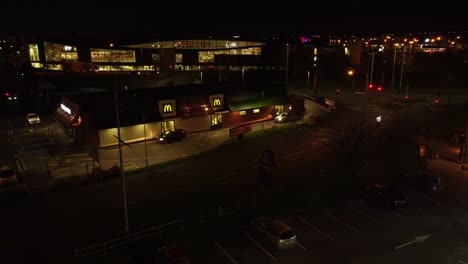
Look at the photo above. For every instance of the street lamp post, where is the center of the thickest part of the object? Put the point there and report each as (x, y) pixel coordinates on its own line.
(393, 68)
(402, 68)
(122, 173)
(351, 74)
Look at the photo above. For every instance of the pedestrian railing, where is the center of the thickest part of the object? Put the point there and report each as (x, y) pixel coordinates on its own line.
(159, 231)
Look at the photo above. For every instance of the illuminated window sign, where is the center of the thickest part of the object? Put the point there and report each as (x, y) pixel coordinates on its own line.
(66, 109)
(167, 108)
(257, 110)
(242, 112)
(216, 102)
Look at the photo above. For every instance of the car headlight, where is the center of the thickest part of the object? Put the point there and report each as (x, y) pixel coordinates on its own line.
(161, 139)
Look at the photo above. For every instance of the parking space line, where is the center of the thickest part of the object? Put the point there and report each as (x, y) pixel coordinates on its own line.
(315, 228)
(342, 222)
(226, 176)
(293, 154)
(365, 215)
(260, 246)
(301, 246)
(233, 261)
(396, 213)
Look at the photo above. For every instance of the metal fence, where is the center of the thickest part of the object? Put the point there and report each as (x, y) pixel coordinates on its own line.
(178, 225)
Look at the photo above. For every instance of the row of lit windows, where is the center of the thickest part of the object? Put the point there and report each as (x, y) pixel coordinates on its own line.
(198, 44)
(107, 55)
(59, 52)
(208, 56)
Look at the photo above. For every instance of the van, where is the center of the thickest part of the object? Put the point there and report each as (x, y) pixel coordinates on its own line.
(274, 232)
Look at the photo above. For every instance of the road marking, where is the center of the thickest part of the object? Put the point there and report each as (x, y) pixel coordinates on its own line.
(294, 154)
(396, 213)
(261, 247)
(461, 261)
(301, 246)
(342, 222)
(226, 176)
(315, 228)
(130, 165)
(365, 215)
(233, 261)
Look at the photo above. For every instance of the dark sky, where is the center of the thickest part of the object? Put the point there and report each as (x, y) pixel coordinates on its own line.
(199, 18)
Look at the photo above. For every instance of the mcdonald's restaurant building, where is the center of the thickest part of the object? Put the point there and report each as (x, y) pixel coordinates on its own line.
(91, 118)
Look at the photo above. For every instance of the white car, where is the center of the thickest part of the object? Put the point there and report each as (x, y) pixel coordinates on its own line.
(33, 118)
(274, 232)
(285, 117)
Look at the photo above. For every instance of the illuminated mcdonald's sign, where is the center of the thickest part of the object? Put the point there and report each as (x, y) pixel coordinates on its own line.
(167, 108)
(216, 102)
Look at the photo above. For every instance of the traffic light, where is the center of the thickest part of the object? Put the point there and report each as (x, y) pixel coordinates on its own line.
(379, 89)
(370, 86)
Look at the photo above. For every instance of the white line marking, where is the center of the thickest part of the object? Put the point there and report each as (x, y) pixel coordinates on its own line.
(262, 248)
(294, 154)
(225, 176)
(233, 261)
(461, 261)
(342, 222)
(396, 213)
(366, 215)
(301, 246)
(315, 228)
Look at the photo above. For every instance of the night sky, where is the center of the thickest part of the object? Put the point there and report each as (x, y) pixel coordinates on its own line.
(198, 18)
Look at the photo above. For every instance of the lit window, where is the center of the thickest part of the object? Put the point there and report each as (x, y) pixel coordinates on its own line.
(242, 112)
(257, 110)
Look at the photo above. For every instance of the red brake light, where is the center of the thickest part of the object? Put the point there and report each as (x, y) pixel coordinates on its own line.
(7, 94)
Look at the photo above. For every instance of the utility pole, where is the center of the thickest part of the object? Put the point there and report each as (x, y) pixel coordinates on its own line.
(402, 67)
(287, 66)
(122, 173)
(393, 68)
(372, 67)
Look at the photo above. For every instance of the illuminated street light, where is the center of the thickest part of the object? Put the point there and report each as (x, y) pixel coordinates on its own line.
(351, 74)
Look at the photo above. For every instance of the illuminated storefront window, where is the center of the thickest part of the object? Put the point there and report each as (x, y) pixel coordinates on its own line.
(256, 111)
(168, 125)
(178, 58)
(279, 109)
(208, 56)
(242, 112)
(33, 52)
(111, 55)
(59, 52)
(216, 120)
(36, 65)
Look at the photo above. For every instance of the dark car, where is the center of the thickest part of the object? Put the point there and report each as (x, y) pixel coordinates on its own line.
(425, 182)
(172, 136)
(385, 196)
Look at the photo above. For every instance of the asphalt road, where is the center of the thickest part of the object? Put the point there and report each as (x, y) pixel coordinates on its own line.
(57, 222)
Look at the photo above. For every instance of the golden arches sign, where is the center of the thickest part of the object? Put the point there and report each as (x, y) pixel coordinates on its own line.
(167, 108)
(216, 102)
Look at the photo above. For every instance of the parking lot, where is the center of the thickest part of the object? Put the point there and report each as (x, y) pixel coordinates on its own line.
(332, 235)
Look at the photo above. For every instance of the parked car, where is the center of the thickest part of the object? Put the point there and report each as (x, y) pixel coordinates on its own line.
(423, 181)
(285, 117)
(274, 232)
(385, 196)
(33, 118)
(172, 136)
(7, 176)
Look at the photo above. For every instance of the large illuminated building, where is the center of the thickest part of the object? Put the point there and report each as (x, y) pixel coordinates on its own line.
(176, 55)
(197, 85)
